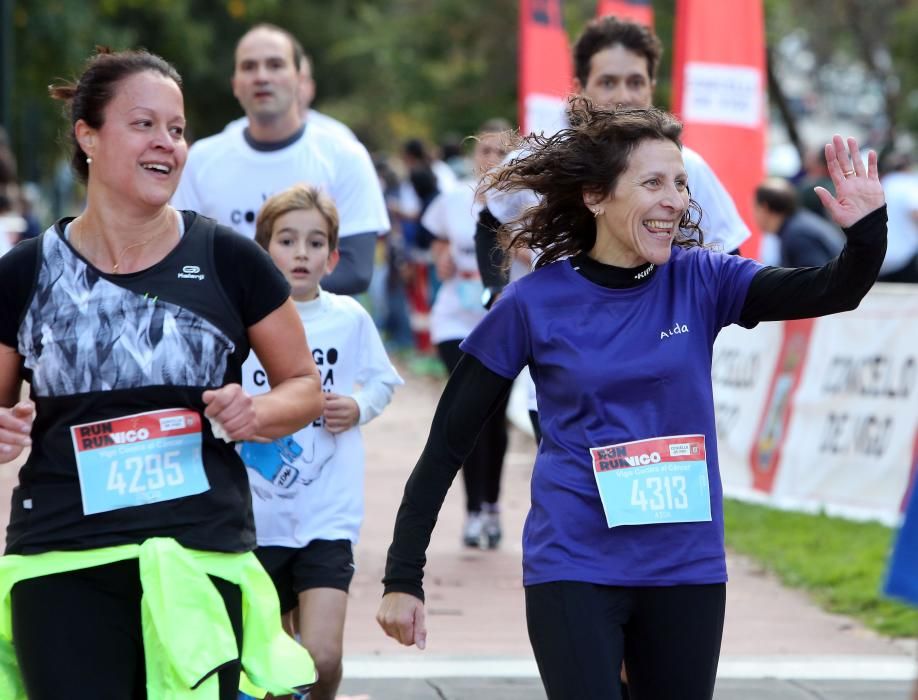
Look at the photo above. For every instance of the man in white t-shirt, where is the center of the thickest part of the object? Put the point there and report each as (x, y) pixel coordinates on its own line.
(900, 185)
(229, 175)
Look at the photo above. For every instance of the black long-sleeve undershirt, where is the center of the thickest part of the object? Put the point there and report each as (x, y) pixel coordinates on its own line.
(473, 391)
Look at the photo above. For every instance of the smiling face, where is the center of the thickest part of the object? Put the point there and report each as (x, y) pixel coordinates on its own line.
(641, 217)
(266, 81)
(618, 77)
(139, 151)
(299, 247)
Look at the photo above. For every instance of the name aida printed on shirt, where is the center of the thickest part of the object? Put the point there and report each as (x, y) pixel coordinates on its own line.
(677, 329)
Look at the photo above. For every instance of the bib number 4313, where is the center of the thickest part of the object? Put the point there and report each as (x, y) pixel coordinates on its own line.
(659, 493)
(648, 482)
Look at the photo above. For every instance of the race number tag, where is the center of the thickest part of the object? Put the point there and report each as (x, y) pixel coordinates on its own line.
(139, 459)
(469, 293)
(647, 482)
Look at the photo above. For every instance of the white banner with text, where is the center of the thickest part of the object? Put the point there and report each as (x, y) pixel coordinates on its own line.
(823, 414)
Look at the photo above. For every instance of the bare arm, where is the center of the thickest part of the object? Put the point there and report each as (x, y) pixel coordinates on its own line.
(15, 416)
(295, 398)
(443, 261)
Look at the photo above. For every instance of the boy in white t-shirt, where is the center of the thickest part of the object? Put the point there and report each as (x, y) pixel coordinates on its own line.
(307, 489)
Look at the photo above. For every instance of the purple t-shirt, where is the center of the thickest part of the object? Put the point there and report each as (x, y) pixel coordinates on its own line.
(612, 366)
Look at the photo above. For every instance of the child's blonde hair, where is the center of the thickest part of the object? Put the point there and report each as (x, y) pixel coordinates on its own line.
(307, 197)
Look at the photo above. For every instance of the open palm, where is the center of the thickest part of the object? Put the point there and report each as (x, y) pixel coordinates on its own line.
(857, 189)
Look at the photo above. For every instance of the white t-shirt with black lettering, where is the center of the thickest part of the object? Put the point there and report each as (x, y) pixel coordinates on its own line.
(228, 179)
(309, 485)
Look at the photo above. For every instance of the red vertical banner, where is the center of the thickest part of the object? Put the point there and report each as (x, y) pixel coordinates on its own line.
(719, 93)
(546, 70)
(765, 456)
(640, 11)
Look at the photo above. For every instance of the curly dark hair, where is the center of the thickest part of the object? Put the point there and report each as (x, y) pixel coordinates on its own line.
(605, 32)
(587, 157)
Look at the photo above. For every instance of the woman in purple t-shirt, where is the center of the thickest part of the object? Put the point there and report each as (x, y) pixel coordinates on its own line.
(623, 551)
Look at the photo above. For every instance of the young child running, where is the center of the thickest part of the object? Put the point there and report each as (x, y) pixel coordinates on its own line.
(307, 488)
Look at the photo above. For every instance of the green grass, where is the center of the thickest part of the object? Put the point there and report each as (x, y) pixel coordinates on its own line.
(841, 564)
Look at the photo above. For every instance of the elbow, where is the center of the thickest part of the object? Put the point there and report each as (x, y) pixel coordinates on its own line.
(362, 278)
(355, 279)
(313, 401)
(853, 299)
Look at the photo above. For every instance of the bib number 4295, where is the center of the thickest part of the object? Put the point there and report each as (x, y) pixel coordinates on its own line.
(143, 473)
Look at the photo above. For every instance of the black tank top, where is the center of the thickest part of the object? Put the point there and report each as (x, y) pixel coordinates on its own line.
(99, 347)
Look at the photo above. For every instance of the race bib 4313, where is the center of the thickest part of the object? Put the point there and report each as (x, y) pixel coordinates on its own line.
(659, 480)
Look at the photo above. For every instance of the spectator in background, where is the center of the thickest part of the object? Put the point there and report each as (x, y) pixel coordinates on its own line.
(415, 154)
(307, 93)
(12, 225)
(427, 177)
(28, 200)
(387, 288)
(453, 154)
(7, 161)
(900, 183)
(229, 175)
(806, 240)
(815, 174)
(457, 309)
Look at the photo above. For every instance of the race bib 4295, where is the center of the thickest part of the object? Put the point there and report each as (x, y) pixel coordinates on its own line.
(139, 459)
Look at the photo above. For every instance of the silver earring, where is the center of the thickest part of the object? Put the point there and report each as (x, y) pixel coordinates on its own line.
(597, 212)
(88, 160)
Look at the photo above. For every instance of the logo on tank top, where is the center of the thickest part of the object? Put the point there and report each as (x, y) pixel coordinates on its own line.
(191, 272)
(677, 329)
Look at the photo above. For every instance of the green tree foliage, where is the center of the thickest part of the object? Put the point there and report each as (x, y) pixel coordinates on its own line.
(389, 68)
(877, 37)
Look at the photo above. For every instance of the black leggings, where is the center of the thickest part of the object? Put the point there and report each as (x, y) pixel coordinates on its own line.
(669, 637)
(482, 469)
(78, 634)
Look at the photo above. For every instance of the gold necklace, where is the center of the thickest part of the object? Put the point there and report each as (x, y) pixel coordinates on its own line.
(121, 256)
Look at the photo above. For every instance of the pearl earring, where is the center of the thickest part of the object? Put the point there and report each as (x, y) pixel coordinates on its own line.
(88, 160)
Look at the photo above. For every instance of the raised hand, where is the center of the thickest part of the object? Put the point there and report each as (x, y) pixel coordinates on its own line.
(857, 189)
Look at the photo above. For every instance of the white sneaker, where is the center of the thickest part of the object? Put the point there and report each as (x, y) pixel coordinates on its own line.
(491, 529)
(472, 532)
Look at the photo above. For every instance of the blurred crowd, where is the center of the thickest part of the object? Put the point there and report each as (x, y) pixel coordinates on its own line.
(18, 219)
(796, 231)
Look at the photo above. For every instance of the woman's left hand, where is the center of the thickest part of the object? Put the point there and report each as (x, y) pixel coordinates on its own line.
(233, 410)
(857, 189)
